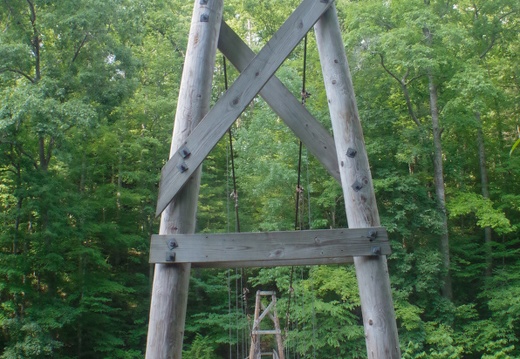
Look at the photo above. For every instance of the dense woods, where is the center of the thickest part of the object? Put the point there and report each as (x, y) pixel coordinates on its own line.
(88, 91)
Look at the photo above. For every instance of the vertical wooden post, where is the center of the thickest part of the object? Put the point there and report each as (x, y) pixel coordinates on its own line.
(360, 203)
(170, 285)
(254, 350)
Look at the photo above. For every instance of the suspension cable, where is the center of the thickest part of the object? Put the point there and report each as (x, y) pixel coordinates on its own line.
(299, 190)
(304, 96)
(240, 345)
(235, 192)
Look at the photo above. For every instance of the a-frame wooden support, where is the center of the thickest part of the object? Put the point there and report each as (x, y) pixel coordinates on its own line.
(255, 351)
(197, 130)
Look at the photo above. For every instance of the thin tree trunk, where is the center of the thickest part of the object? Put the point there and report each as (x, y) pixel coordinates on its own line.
(17, 224)
(484, 182)
(35, 41)
(18, 209)
(438, 169)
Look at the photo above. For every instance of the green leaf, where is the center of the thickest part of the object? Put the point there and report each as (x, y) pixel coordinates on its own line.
(515, 145)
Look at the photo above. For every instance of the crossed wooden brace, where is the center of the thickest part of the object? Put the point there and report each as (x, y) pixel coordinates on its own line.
(266, 248)
(256, 77)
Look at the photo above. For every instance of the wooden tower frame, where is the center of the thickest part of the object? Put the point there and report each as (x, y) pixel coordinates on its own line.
(197, 130)
(255, 351)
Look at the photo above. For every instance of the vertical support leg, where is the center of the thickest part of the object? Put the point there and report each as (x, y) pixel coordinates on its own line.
(276, 321)
(372, 272)
(170, 285)
(254, 350)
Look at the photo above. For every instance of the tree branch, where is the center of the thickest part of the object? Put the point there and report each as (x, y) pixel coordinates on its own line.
(507, 14)
(173, 43)
(18, 72)
(22, 152)
(33, 11)
(83, 42)
(493, 41)
(414, 78)
(404, 87)
(494, 36)
(387, 70)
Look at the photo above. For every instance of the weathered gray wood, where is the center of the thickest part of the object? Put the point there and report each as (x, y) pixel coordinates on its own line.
(264, 313)
(205, 136)
(255, 342)
(372, 272)
(226, 249)
(170, 285)
(256, 331)
(276, 263)
(316, 138)
(266, 332)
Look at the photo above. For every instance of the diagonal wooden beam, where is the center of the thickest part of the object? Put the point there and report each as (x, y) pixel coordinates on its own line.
(316, 138)
(284, 248)
(214, 125)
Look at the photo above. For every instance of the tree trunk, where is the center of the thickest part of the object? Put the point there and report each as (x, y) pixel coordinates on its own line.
(438, 169)
(484, 182)
(170, 285)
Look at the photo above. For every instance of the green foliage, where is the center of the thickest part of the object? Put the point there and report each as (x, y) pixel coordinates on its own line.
(465, 203)
(201, 348)
(87, 102)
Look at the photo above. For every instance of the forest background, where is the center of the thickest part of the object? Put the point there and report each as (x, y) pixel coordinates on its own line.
(88, 92)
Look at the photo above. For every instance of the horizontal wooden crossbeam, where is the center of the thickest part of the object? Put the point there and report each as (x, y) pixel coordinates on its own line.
(267, 249)
(266, 332)
(214, 125)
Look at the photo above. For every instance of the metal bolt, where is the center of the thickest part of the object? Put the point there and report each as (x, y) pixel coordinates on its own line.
(183, 167)
(372, 235)
(172, 244)
(376, 250)
(170, 257)
(204, 2)
(351, 153)
(184, 152)
(204, 18)
(357, 186)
